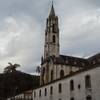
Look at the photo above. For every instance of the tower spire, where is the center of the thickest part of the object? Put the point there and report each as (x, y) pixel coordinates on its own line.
(52, 12)
(51, 47)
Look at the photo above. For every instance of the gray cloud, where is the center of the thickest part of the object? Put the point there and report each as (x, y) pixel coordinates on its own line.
(19, 44)
(82, 34)
(22, 25)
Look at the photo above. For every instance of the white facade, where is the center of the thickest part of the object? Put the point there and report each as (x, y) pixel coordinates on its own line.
(17, 97)
(80, 92)
(27, 95)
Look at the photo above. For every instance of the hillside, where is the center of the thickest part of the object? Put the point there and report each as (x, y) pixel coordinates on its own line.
(16, 82)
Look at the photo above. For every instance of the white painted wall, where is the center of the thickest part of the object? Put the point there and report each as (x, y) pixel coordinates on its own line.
(78, 94)
(17, 97)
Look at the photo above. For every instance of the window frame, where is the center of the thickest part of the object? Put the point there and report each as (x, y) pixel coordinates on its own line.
(62, 74)
(87, 81)
(54, 39)
(89, 97)
(39, 93)
(51, 90)
(60, 88)
(45, 92)
(72, 85)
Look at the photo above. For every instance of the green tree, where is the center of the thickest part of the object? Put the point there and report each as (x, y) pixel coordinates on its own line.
(38, 69)
(11, 68)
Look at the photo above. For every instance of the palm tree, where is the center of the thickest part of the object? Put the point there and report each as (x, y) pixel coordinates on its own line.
(11, 68)
(38, 69)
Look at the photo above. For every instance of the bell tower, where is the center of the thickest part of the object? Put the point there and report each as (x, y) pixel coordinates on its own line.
(51, 47)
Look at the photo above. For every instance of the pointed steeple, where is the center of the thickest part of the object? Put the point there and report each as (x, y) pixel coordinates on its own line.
(52, 12)
(51, 47)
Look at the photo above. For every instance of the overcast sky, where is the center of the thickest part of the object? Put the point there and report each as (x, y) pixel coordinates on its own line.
(22, 26)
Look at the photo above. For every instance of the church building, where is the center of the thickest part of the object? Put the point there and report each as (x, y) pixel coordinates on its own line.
(66, 77)
(54, 65)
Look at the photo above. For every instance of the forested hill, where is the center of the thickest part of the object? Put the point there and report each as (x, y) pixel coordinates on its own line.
(16, 82)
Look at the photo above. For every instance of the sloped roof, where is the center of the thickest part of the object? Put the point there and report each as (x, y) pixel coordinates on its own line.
(94, 60)
(74, 61)
(67, 60)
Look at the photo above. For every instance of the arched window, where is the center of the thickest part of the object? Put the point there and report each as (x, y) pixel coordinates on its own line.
(45, 92)
(43, 73)
(34, 94)
(51, 75)
(61, 73)
(60, 88)
(53, 28)
(88, 98)
(72, 99)
(87, 81)
(40, 93)
(51, 90)
(54, 39)
(71, 85)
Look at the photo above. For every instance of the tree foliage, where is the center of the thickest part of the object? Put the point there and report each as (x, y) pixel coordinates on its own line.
(11, 68)
(16, 82)
(38, 69)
